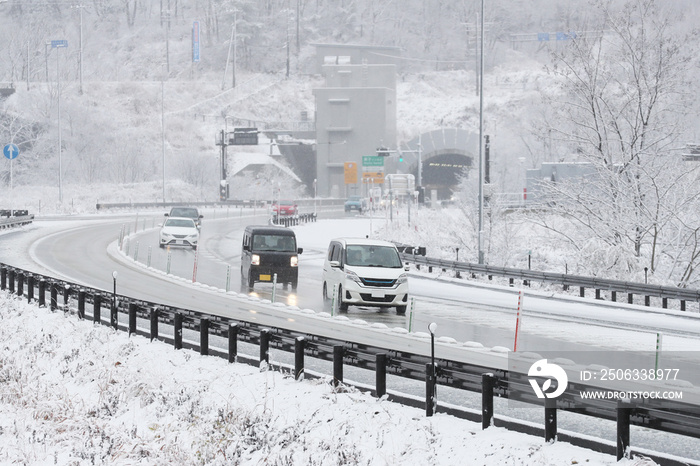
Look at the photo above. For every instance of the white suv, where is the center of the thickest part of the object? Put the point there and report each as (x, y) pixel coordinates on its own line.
(365, 272)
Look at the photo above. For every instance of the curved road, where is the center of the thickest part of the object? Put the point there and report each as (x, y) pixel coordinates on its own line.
(85, 251)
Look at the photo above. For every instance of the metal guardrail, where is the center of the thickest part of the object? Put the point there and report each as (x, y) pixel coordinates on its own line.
(673, 417)
(231, 203)
(16, 221)
(566, 280)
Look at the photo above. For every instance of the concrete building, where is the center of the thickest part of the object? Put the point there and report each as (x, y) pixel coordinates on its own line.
(348, 54)
(355, 114)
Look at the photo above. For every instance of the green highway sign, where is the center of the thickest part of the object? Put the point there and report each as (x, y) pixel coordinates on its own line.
(372, 161)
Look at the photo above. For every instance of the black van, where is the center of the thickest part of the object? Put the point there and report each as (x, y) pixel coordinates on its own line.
(269, 250)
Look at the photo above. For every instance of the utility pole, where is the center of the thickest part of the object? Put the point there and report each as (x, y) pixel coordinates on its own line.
(80, 55)
(228, 57)
(287, 22)
(80, 50)
(298, 19)
(166, 17)
(234, 39)
(231, 45)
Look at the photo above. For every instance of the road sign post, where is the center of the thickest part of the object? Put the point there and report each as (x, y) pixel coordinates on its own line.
(56, 44)
(11, 151)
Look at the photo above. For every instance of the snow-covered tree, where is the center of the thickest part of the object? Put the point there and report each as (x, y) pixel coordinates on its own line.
(620, 108)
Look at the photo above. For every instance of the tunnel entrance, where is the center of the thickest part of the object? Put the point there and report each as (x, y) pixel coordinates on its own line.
(442, 172)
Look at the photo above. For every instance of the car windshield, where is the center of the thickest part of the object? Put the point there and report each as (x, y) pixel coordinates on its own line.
(184, 212)
(286, 203)
(179, 222)
(354, 198)
(274, 243)
(365, 255)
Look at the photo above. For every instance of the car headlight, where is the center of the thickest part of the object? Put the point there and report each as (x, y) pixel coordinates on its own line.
(353, 276)
(294, 261)
(403, 278)
(255, 259)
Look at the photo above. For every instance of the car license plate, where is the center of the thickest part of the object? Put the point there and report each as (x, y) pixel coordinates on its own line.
(265, 278)
(377, 294)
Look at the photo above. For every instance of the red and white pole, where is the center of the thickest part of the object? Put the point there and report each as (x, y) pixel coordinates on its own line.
(194, 271)
(517, 320)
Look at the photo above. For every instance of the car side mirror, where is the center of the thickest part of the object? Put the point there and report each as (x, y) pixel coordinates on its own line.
(246, 247)
(165, 215)
(334, 264)
(201, 216)
(300, 250)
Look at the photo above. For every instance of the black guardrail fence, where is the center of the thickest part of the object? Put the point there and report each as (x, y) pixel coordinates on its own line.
(89, 303)
(293, 220)
(416, 256)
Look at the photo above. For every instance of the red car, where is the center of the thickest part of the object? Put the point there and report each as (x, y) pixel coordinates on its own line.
(285, 208)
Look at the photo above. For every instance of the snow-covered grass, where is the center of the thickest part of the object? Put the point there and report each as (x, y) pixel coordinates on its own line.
(78, 393)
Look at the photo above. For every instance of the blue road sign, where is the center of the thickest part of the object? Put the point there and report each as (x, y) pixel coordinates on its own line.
(11, 151)
(59, 43)
(195, 41)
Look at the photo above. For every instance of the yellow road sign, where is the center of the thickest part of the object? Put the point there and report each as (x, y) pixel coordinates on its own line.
(373, 177)
(350, 173)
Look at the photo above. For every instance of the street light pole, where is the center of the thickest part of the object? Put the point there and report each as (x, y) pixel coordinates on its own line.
(162, 127)
(481, 136)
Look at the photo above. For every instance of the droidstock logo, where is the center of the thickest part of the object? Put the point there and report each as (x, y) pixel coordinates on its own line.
(552, 371)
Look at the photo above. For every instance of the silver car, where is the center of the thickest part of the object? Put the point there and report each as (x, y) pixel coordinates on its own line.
(179, 231)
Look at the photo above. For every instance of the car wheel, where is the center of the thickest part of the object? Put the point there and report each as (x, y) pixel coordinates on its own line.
(341, 305)
(401, 310)
(251, 282)
(294, 285)
(161, 245)
(325, 292)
